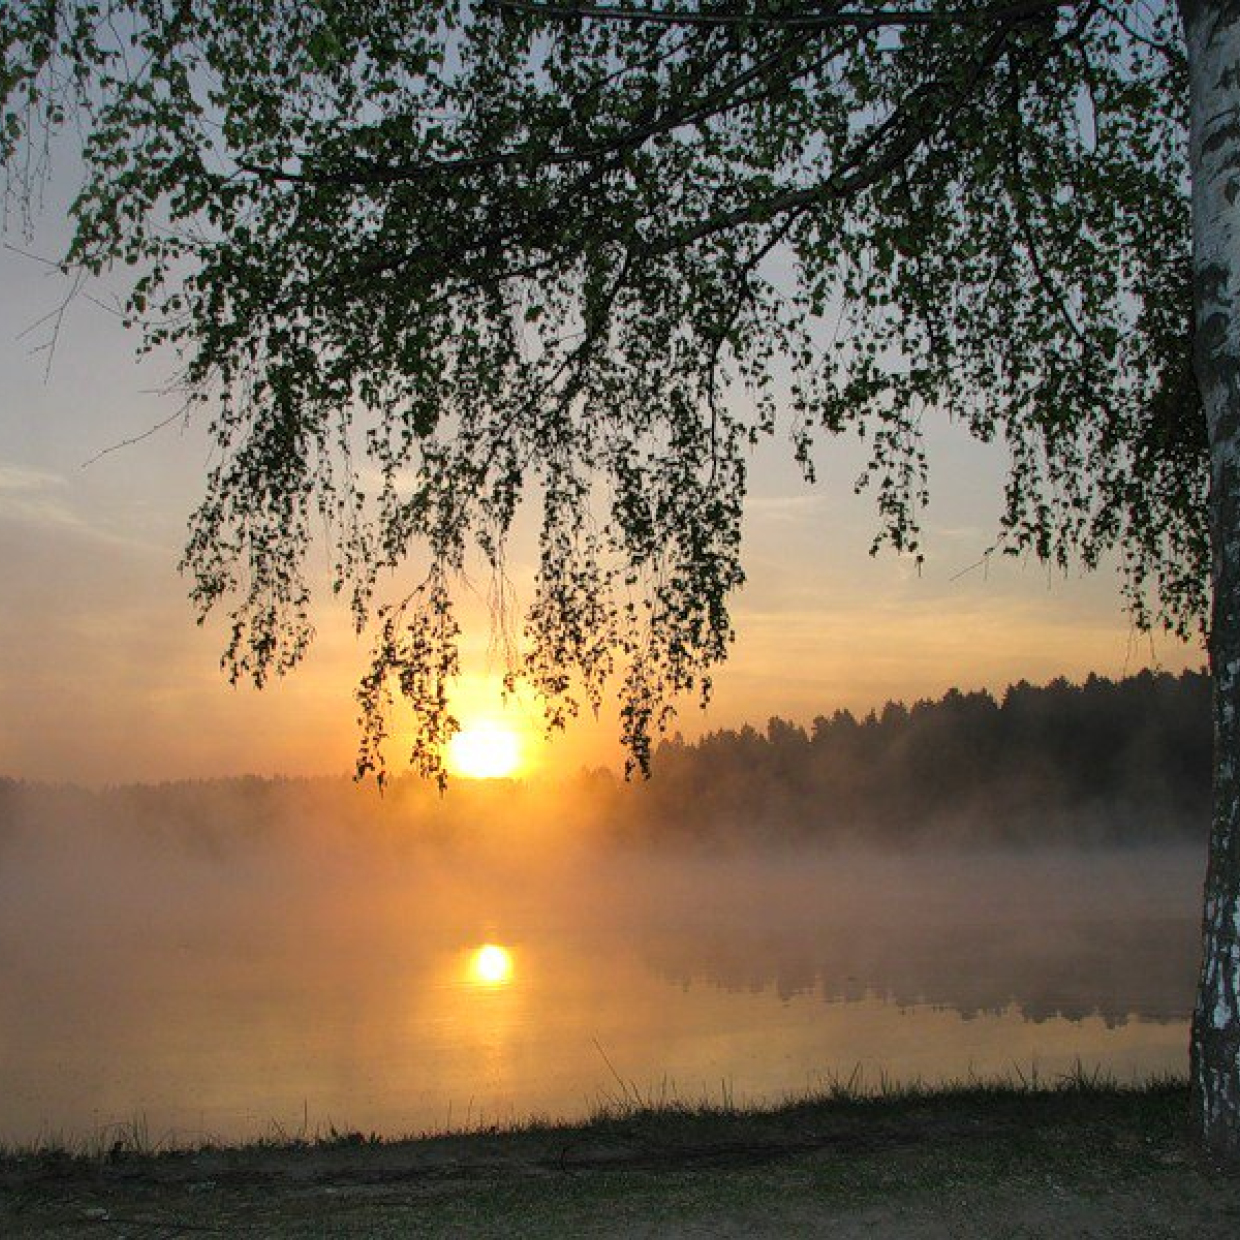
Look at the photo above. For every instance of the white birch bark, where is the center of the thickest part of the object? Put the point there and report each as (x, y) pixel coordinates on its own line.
(1212, 30)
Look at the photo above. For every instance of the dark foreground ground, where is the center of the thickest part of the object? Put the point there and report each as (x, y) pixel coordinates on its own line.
(969, 1163)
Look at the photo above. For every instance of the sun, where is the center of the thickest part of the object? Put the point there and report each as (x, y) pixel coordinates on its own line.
(491, 965)
(485, 751)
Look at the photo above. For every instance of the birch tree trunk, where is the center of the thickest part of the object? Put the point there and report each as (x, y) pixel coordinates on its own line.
(1212, 30)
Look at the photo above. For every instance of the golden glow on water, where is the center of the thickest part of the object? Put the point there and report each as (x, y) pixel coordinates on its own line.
(470, 988)
(491, 965)
(485, 751)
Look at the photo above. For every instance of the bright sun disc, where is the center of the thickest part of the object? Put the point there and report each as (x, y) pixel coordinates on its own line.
(484, 752)
(491, 965)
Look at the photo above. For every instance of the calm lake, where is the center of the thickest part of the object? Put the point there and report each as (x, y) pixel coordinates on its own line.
(291, 984)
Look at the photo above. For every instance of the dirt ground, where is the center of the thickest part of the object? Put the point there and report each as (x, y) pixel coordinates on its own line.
(967, 1165)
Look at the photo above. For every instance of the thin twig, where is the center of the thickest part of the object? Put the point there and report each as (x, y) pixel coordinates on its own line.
(129, 443)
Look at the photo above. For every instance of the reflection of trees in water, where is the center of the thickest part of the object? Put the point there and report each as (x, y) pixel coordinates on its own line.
(1115, 969)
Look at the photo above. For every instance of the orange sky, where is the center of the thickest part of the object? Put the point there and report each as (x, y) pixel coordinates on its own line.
(105, 678)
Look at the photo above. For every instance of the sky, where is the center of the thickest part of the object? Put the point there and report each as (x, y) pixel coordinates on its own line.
(106, 678)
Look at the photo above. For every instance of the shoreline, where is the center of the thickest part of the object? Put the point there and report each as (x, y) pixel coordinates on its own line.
(1082, 1156)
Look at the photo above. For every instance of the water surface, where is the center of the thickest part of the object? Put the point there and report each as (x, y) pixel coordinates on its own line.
(315, 978)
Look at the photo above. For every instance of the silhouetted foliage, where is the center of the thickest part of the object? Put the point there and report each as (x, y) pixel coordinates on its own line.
(1104, 761)
(426, 264)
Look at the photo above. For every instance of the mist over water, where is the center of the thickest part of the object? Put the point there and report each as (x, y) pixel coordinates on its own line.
(235, 957)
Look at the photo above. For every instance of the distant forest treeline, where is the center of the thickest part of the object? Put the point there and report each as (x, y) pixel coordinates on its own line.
(1102, 762)
(1097, 762)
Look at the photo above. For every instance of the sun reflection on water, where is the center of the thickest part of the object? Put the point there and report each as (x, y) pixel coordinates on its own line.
(490, 965)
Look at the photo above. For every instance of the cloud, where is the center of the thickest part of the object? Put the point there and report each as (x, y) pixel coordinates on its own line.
(36, 497)
(48, 503)
(785, 509)
(20, 478)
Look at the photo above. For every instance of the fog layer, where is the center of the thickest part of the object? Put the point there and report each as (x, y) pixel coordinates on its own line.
(220, 958)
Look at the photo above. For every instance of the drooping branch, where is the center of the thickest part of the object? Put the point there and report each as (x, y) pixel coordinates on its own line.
(517, 244)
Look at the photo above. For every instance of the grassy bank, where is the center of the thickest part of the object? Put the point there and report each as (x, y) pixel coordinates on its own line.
(1083, 1157)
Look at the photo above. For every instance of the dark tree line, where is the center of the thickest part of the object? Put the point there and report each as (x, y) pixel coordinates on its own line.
(1103, 761)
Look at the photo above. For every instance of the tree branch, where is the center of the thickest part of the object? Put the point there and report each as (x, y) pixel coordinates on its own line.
(863, 174)
(719, 101)
(875, 19)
